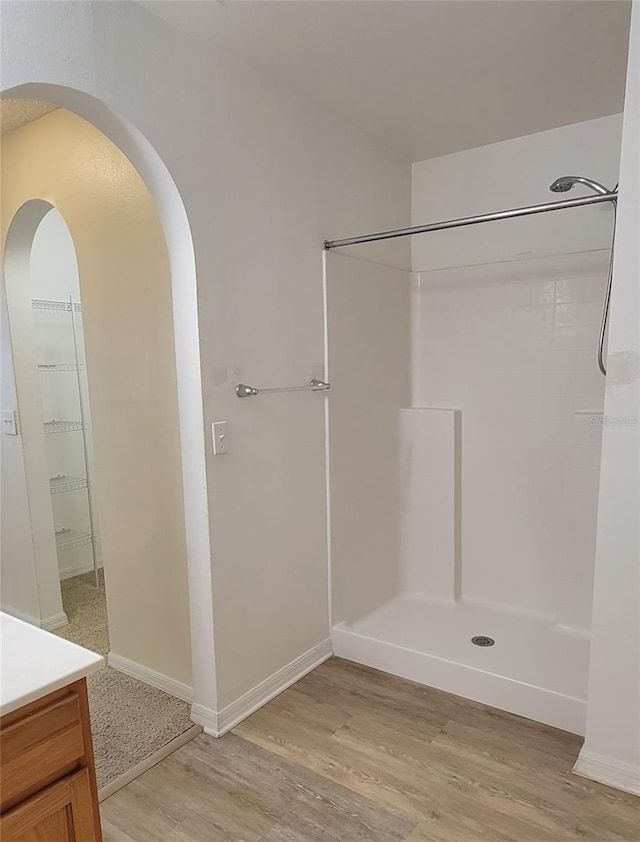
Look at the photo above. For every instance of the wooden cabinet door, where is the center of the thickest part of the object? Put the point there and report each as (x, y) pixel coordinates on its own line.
(61, 813)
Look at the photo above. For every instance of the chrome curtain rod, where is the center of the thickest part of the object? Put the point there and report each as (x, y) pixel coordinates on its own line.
(474, 220)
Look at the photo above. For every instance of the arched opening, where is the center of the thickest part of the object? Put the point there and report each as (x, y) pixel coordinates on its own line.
(49, 375)
(201, 689)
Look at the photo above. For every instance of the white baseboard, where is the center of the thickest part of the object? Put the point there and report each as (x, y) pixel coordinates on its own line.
(206, 718)
(537, 703)
(217, 723)
(78, 570)
(607, 770)
(151, 677)
(56, 621)
(249, 702)
(20, 615)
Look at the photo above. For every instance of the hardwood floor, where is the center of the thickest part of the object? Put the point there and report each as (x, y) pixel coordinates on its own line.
(350, 753)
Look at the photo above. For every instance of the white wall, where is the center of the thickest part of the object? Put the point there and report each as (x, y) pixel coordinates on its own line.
(18, 582)
(53, 264)
(368, 341)
(265, 177)
(32, 519)
(611, 752)
(276, 182)
(126, 297)
(509, 337)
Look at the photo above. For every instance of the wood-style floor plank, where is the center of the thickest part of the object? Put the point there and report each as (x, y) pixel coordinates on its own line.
(350, 753)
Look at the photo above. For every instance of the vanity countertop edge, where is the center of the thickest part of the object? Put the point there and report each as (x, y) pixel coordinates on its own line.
(34, 663)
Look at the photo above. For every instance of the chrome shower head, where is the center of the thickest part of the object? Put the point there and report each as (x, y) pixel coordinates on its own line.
(566, 182)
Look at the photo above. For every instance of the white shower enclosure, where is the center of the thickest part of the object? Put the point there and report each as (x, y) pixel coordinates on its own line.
(465, 421)
(470, 510)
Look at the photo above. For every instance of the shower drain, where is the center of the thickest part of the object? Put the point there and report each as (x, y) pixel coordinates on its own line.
(482, 640)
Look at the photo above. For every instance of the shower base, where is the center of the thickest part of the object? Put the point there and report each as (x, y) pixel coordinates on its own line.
(535, 669)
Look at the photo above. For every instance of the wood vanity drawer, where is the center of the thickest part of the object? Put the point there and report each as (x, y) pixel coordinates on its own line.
(40, 747)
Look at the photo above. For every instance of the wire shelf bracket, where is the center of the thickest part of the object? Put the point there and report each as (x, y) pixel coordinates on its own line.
(51, 304)
(53, 426)
(62, 483)
(69, 539)
(46, 367)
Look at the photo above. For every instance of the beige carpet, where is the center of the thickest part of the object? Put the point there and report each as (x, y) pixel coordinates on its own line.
(130, 720)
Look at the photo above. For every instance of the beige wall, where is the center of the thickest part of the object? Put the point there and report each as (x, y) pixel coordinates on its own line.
(126, 294)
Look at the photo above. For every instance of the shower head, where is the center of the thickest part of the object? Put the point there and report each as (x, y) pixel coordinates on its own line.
(566, 182)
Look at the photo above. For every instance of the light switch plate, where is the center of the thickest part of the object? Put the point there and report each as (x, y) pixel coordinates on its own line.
(220, 443)
(9, 422)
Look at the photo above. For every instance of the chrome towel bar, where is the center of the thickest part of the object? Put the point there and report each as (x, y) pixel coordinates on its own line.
(244, 391)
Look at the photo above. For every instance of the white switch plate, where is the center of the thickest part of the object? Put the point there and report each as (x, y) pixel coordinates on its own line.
(220, 443)
(9, 423)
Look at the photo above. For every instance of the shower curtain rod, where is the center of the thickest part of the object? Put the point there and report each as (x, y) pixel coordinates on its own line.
(474, 220)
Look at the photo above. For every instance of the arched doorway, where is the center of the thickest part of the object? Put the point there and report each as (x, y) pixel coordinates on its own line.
(182, 266)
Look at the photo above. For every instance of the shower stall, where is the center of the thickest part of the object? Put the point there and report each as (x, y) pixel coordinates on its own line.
(464, 429)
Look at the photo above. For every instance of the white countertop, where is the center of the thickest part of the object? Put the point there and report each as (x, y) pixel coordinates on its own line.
(34, 662)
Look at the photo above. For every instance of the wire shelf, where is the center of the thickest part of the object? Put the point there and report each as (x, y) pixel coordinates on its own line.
(52, 426)
(68, 539)
(50, 304)
(59, 367)
(61, 483)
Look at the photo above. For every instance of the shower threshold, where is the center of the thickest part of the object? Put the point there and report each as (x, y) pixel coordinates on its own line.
(536, 669)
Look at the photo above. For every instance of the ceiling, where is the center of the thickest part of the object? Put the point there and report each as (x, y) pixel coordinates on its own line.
(18, 112)
(435, 76)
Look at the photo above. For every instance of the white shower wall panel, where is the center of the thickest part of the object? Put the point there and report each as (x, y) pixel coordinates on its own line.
(576, 569)
(512, 345)
(429, 539)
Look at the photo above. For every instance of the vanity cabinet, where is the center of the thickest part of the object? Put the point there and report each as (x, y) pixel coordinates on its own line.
(47, 775)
